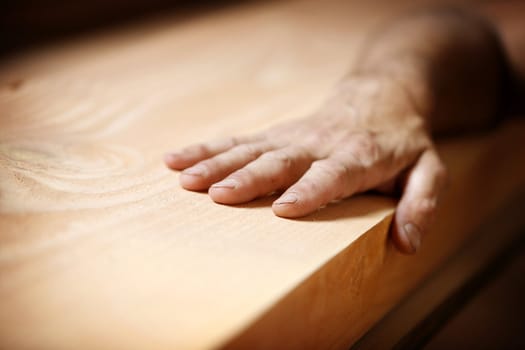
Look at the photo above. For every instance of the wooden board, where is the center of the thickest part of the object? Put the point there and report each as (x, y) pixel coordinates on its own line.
(100, 248)
(431, 311)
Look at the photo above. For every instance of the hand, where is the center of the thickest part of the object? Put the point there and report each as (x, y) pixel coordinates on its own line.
(368, 136)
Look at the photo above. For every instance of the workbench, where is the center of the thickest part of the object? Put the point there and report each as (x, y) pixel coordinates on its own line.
(100, 248)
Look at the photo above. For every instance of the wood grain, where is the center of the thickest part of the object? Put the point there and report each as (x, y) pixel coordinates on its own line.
(100, 248)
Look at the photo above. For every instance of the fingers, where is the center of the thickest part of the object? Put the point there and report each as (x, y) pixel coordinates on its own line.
(195, 153)
(326, 180)
(416, 209)
(272, 171)
(205, 173)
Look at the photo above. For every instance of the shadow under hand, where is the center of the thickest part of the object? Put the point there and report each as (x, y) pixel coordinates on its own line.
(354, 207)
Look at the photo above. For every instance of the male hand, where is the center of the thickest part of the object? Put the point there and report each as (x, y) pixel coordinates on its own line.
(367, 136)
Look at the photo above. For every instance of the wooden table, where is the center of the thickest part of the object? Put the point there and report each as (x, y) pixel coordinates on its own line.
(101, 249)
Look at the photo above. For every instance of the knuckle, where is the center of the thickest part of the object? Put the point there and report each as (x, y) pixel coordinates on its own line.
(248, 149)
(209, 165)
(243, 175)
(426, 206)
(366, 149)
(307, 186)
(235, 140)
(315, 139)
(199, 148)
(326, 167)
(442, 173)
(241, 140)
(337, 172)
(279, 156)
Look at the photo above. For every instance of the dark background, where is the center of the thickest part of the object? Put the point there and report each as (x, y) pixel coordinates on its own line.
(25, 23)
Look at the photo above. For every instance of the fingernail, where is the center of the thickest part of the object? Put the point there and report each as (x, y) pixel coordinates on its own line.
(289, 198)
(413, 234)
(197, 170)
(228, 183)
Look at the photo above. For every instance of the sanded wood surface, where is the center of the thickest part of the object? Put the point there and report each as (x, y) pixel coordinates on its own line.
(100, 248)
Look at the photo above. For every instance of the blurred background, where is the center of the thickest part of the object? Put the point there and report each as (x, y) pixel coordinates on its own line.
(25, 23)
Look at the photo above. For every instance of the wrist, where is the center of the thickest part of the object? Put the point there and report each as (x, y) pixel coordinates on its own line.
(374, 101)
(411, 74)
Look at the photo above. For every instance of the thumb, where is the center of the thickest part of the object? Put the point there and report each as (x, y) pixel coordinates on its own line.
(415, 212)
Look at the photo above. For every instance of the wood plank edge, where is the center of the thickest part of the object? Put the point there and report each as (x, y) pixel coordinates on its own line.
(423, 312)
(317, 312)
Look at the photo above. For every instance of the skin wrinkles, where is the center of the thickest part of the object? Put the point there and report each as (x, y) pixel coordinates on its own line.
(374, 132)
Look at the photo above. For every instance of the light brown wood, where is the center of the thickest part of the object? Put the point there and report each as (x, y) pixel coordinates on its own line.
(100, 248)
(418, 316)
